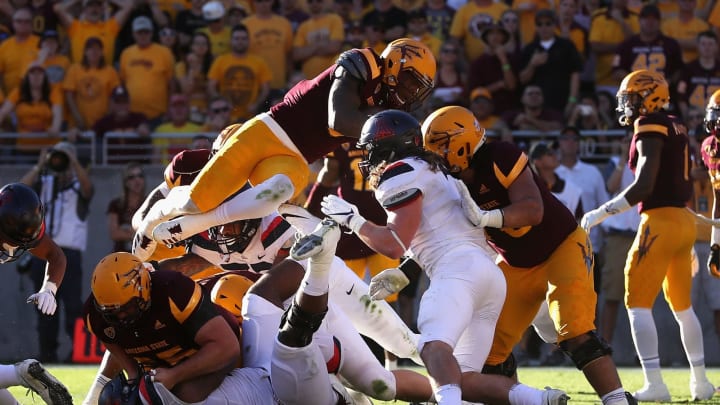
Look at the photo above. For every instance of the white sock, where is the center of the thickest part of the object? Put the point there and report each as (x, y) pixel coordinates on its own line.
(391, 365)
(448, 394)
(645, 337)
(95, 389)
(316, 281)
(616, 397)
(692, 339)
(8, 376)
(521, 394)
(6, 398)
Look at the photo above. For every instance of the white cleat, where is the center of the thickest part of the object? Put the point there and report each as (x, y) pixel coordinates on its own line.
(303, 221)
(34, 376)
(653, 393)
(178, 229)
(701, 390)
(552, 396)
(327, 233)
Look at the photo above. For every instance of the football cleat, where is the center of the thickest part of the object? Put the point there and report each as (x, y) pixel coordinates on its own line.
(552, 396)
(299, 218)
(34, 376)
(327, 233)
(701, 390)
(177, 230)
(653, 393)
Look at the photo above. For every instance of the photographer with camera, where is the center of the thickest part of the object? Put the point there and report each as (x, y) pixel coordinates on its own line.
(65, 190)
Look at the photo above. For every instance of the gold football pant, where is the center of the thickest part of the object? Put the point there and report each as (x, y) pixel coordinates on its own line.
(374, 263)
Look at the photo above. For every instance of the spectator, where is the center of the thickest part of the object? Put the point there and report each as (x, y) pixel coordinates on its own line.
(568, 28)
(649, 49)
(483, 108)
(120, 210)
(169, 39)
(178, 122)
(701, 76)
(119, 118)
(391, 19)
(241, 77)
(495, 69)
(92, 24)
(43, 15)
(344, 8)
(88, 85)
(188, 21)
(18, 51)
(147, 68)
(141, 8)
(451, 76)
(439, 16)
(585, 114)
(294, 11)
(533, 115)
(355, 36)
(418, 29)
(191, 72)
(619, 235)
(271, 38)
(608, 28)
(552, 63)
(318, 39)
(374, 38)
(544, 160)
(49, 56)
(685, 28)
(37, 108)
(606, 109)
(218, 115)
(471, 20)
(201, 142)
(510, 21)
(65, 190)
(215, 29)
(527, 11)
(235, 14)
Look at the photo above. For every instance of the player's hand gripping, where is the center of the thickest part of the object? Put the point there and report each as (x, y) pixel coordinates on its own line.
(45, 298)
(713, 264)
(472, 211)
(342, 212)
(387, 283)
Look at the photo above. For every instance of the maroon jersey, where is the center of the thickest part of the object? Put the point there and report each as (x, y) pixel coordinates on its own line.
(663, 55)
(165, 334)
(673, 187)
(697, 84)
(303, 113)
(355, 189)
(710, 151)
(495, 167)
(185, 166)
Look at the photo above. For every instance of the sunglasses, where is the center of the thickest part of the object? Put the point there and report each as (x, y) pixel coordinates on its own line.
(135, 176)
(219, 110)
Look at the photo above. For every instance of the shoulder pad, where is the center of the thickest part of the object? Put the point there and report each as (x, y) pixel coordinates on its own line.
(651, 124)
(360, 64)
(398, 178)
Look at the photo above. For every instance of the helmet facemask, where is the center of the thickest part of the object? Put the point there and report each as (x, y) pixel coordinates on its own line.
(10, 253)
(123, 315)
(408, 91)
(629, 107)
(234, 236)
(712, 120)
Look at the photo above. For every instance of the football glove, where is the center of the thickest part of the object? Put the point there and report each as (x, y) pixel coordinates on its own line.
(594, 217)
(713, 263)
(45, 298)
(143, 247)
(473, 213)
(342, 212)
(387, 283)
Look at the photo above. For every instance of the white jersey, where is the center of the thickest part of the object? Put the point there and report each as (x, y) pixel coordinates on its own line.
(272, 235)
(441, 210)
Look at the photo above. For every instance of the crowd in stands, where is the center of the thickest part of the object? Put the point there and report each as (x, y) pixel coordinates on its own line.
(157, 66)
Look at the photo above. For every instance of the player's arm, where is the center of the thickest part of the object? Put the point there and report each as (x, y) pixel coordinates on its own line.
(327, 178)
(526, 206)
(649, 151)
(126, 362)
(345, 115)
(62, 10)
(49, 251)
(393, 240)
(187, 264)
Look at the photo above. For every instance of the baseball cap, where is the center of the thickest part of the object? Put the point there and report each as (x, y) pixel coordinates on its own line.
(119, 93)
(650, 10)
(480, 92)
(142, 23)
(541, 149)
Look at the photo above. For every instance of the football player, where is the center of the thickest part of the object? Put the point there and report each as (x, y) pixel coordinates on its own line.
(272, 150)
(660, 255)
(543, 253)
(425, 217)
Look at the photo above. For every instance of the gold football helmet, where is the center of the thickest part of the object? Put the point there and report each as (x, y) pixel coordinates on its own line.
(121, 287)
(408, 72)
(641, 92)
(455, 133)
(712, 114)
(228, 292)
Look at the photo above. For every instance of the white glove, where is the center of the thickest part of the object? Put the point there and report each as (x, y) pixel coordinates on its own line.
(387, 283)
(342, 212)
(45, 298)
(473, 213)
(594, 217)
(143, 247)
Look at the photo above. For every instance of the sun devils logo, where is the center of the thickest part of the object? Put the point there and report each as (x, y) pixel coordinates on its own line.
(646, 242)
(109, 332)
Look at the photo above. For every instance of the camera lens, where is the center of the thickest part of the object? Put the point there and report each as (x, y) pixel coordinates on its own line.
(58, 161)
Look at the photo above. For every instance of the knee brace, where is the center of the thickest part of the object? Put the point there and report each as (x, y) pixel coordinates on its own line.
(588, 351)
(506, 368)
(297, 326)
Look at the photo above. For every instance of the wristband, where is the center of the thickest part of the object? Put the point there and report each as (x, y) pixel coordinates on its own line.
(715, 236)
(616, 205)
(49, 286)
(572, 99)
(496, 218)
(356, 222)
(505, 67)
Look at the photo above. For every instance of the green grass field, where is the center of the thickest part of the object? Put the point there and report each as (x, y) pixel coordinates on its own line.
(78, 378)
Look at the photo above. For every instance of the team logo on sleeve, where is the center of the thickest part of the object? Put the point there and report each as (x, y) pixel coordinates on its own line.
(109, 332)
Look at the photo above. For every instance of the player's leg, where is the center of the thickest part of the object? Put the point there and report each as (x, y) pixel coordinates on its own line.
(645, 271)
(678, 292)
(31, 374)
(108, 369)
